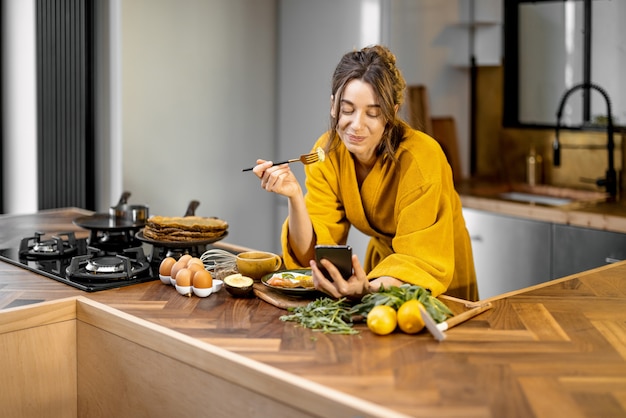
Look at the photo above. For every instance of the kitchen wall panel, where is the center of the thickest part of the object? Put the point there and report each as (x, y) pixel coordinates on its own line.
(198, 105)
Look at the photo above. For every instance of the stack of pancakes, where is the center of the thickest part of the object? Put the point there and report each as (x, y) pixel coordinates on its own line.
(187, 228)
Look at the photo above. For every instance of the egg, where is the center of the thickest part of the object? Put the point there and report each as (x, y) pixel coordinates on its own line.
(202, 279)
(183, 277)
(185, 258)
(179, 265)
(195, 260)
(165, 268)
(183, 282)
(194, 267)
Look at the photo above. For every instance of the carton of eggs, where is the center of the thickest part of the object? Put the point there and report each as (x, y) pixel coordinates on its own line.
(189, 276)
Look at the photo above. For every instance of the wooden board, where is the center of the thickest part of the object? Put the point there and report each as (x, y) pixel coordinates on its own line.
(444, 131)
(419, 109)
(280, 300)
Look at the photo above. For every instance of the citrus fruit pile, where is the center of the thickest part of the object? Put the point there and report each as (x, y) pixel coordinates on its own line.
(399, 307)
(384, 319)
(384, 311)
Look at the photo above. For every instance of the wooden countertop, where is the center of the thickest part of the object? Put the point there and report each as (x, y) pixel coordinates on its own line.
(608, 216)
(556, 349)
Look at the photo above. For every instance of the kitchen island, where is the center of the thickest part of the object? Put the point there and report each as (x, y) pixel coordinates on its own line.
(556, 349)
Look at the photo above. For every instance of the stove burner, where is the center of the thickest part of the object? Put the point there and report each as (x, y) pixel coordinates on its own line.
(34, 247)
(113, 241)
(99, 266)
(106, 264)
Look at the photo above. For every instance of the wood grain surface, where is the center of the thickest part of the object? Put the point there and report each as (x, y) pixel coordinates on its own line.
(557, 349)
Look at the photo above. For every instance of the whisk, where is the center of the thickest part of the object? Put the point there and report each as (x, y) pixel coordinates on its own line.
(317, 155)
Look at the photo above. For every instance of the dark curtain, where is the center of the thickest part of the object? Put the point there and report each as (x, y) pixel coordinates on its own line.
(65, 103)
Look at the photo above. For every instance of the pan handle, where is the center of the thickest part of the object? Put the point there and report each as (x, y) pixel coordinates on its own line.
(123, 199)
(191, 209)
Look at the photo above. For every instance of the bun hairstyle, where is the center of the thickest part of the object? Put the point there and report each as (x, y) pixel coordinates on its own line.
(375, 65)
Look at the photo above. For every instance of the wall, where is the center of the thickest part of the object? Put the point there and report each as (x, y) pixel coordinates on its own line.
(192, 91)
(424, 36)
(198, 105)
(307, 57)
(19, 163)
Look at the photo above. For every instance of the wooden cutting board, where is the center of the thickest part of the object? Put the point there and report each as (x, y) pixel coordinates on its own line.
(281, 300)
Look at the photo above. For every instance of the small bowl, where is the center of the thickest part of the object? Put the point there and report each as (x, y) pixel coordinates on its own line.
(202, 292)
(172, 281)
(217, 285)
(165, 279)
(184, 290)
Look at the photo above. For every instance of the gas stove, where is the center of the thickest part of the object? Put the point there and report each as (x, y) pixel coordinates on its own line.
(87, 264)
(108, 252)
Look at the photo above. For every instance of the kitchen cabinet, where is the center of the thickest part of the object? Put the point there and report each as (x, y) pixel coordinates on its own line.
(509, 253)
(577, 249)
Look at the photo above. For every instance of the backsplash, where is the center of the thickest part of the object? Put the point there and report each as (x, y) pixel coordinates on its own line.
(501, 152)
(584, 157)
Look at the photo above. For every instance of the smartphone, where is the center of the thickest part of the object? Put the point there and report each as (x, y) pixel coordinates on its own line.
(339, 255)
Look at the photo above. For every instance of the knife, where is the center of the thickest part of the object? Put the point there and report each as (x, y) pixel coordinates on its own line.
(438, 330)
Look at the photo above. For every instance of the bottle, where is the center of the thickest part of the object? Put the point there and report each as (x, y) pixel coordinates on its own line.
(534, 167)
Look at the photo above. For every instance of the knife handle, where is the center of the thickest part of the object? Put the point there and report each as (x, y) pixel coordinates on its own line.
(463, 316)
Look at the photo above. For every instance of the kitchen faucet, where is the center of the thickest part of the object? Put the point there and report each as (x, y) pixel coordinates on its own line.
(610, 181)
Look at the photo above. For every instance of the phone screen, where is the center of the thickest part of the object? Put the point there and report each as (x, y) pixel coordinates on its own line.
(339, 255)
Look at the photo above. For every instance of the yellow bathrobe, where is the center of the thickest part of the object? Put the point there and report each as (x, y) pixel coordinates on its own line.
(409, 208)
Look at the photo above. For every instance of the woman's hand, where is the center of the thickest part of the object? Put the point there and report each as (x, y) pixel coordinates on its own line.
(277, 179)
(354, 287)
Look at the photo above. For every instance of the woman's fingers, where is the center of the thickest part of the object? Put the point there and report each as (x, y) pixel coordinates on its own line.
(321, 282)
(353, 287)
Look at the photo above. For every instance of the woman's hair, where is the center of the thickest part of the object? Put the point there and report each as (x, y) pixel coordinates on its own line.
(375, 65)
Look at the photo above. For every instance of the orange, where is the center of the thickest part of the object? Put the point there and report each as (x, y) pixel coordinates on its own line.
(382, 320)
(410, 318)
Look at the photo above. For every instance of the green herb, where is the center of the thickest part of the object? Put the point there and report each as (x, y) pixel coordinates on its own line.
(327, 315)
(395, 296)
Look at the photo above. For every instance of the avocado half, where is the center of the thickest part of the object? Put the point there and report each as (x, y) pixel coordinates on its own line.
(238, 285)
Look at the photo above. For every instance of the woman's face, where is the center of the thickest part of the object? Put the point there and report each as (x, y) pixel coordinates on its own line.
(360, 125)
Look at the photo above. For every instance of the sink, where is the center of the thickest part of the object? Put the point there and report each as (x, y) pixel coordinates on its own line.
(543, 194)
(535, 198)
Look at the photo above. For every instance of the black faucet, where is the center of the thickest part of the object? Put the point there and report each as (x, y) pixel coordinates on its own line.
(610, 181)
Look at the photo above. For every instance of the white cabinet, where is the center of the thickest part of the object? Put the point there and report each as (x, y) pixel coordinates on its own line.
(577, 249)
(509, 253)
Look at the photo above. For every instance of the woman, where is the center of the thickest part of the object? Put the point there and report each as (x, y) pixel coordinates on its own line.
(389, 181)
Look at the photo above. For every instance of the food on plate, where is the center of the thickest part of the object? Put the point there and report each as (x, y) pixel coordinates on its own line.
(184, 228)
(290, 280)
(238, 285)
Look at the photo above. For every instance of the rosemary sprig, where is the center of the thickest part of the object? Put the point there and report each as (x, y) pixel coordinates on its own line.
(324, 314)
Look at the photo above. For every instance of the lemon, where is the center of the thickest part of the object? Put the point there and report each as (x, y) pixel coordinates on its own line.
(410, 318)
(382, 320)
